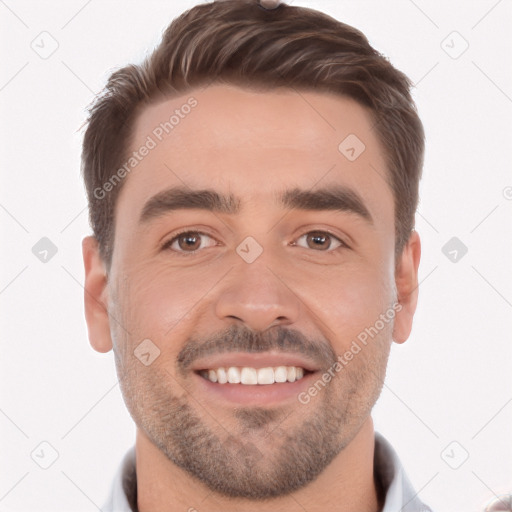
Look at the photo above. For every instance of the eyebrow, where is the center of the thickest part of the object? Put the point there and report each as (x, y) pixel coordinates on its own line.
(338, 198)
(179, 198)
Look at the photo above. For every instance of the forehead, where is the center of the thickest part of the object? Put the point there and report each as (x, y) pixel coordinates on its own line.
(252, 144)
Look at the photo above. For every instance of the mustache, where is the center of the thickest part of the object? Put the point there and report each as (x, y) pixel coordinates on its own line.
(239, 338)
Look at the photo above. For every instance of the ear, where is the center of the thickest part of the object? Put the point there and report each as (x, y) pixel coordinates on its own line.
(96, 296)
(406, 279)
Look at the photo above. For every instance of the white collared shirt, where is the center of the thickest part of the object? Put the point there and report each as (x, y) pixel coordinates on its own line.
(400, 495)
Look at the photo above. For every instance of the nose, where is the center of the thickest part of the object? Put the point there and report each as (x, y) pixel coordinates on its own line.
(256, 295)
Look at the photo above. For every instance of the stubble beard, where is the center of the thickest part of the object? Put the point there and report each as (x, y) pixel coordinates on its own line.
(261, 452)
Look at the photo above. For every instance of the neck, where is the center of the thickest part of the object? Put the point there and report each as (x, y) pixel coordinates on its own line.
(347, 484)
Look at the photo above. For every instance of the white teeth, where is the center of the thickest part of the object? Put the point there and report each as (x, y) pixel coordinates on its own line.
(266, 376)
(222, 376)
(249, 376)
(252, 376)
(280, 374)
(233, 375)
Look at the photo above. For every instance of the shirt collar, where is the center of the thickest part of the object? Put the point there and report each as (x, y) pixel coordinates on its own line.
(123, 495)
(389, 473)
(399, 492)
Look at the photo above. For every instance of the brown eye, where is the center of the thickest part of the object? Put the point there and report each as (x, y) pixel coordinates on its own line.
(189, 241)
(319, 240)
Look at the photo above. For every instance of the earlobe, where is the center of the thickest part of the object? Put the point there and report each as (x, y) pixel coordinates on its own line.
(406, 279)
(96, 296)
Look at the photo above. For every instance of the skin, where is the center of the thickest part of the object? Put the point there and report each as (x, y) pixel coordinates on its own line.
(253, 145)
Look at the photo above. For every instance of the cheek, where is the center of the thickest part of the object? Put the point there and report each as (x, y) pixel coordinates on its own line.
(161, 299)
(348, 301)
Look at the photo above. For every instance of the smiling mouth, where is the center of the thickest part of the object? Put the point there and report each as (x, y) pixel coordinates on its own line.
(253, 376)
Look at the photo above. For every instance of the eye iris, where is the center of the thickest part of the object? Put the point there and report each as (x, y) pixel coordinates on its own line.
(318, 241)
(189, 241)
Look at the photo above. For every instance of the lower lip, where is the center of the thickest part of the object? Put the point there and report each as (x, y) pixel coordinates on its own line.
(266, 394)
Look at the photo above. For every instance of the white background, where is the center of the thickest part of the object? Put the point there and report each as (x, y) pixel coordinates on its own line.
(450, 382)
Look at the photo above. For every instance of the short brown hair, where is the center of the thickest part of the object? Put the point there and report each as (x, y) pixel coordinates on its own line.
(240, 43)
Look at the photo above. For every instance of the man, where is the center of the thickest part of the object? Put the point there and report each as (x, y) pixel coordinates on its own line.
(252, 189)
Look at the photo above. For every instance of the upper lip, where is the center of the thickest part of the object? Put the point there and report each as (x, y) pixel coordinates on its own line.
(254, 360)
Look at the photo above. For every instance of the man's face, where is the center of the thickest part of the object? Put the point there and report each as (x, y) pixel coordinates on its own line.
(288, 271)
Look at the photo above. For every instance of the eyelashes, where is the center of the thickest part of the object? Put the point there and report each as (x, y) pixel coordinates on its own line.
(193, 241)
(322, 237)
(189, 240)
